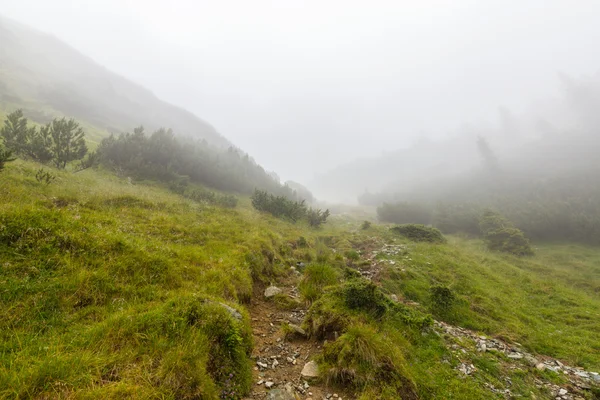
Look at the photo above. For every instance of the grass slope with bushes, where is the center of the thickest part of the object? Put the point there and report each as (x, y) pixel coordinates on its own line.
(110, 289)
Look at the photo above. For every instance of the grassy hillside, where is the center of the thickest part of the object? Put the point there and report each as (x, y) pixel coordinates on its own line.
(100, 279)
(47, 78)
(116, 290)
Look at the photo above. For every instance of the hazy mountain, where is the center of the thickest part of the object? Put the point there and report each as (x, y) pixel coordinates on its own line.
(46, 78)
(553, 137)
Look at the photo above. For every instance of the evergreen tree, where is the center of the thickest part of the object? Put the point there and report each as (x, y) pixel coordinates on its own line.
(67, 141)
(14, 132)
(38, 144)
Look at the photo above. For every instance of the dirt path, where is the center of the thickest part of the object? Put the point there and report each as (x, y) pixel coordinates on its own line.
(279, 362)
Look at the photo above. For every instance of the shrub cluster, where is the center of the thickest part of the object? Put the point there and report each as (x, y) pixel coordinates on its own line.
(442, 299)
(59, 142)
(206, 196)
(164, 157)
(283, 207)
(420, 233)
(501, 235)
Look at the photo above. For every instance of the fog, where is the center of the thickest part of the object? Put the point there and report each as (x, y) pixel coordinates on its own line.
(305, 86)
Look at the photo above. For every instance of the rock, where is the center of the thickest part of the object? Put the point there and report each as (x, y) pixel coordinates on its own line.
(515, 356)
(287, 393)
(269, 384)
(541, 366)
(562, 392)
(272, 291)
(310, 370)
(300, 265)
(275, 363)
(234, 313)
(532, 361)
(394, 297)
(262, 365)
(295, 330)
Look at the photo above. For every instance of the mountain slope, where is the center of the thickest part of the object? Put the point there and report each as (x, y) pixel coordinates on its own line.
(47, 78)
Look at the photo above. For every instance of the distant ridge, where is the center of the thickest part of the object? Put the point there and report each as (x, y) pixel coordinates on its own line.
(46, 78)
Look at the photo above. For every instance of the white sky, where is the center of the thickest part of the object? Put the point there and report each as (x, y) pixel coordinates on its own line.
(305, 85)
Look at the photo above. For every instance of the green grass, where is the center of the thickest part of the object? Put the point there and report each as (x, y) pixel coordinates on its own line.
(116, 290)
(316, 277)
(99, 278)
(548, 302)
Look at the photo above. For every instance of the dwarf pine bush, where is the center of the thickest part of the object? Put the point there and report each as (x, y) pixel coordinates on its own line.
(420, 233)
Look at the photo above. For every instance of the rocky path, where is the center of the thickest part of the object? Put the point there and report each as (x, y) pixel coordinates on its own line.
(464, 343)
(283, 369)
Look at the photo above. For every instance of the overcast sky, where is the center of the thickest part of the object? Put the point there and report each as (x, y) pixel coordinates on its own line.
(306, 85)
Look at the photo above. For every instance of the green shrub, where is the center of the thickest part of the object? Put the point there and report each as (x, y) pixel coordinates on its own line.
(404, 213)
(316, 217)
(45, 177)
(364, 295)
(365, 225)
(201, 195)
(442, 300)
(352, 255)
(343, 305)
(5, 157)
(420, 233)
(365, 359)
(278, 206)
(501, 235)
(283, 207)
(316, 277)
(509, 240)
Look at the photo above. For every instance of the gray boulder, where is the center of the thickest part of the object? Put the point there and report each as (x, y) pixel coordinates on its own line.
(287, 393)
(310, 370)
(272, 291)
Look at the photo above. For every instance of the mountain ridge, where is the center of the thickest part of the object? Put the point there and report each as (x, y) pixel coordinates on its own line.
(47, 77)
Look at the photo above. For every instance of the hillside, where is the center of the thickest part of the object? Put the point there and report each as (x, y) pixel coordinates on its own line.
(116, 290)
(47, 78)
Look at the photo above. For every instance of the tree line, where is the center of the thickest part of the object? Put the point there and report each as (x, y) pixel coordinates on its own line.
(159, 156)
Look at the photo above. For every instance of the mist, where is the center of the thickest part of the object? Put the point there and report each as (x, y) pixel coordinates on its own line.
(307, 86)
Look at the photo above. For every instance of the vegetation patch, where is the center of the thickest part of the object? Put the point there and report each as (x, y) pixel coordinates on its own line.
(419, 233)
(358, 300)
(316, 277)
(364, 359)
(501, 235)
(206, 196)
(285, 208)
